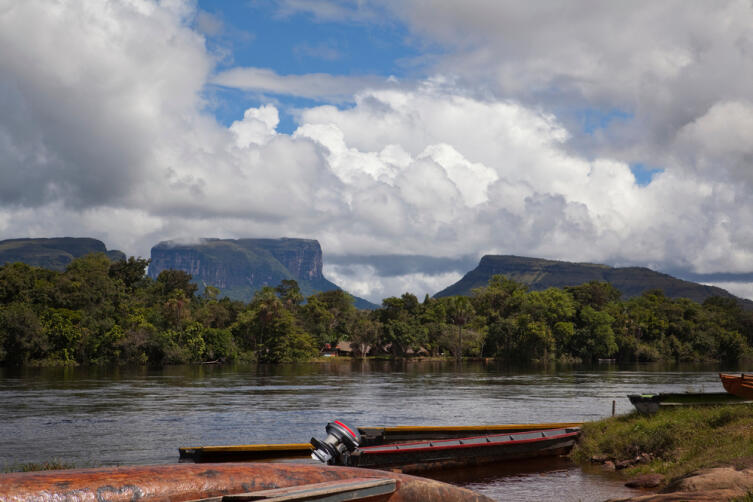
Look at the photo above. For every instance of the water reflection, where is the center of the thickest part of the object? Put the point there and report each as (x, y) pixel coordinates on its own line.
(547, 480)
(96, 416)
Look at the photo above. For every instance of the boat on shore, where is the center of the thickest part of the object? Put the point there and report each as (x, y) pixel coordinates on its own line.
(369, 436)
(230, 482)
(652, 403)
(428, 455)
(740, 385)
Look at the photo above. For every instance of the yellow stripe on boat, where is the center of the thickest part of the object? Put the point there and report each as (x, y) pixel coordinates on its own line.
(248, 447)
(471, 428)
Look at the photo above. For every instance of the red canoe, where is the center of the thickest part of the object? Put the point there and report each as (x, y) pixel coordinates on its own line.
(738, 384)
(226, 483)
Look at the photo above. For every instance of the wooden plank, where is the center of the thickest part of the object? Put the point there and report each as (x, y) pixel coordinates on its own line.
(331, 491)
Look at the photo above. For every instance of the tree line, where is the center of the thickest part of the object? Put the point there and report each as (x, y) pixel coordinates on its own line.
(99, 312)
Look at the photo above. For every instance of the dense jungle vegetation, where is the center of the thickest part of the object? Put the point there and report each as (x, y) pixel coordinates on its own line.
(103, 312)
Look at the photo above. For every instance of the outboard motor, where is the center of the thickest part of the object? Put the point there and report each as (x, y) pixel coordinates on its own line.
(340, 438)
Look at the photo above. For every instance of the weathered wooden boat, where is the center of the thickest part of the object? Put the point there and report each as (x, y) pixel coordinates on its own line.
(373, 436)
(370, 436)
(740, 385)
(227, 483)
(428, 455)
(651, 403)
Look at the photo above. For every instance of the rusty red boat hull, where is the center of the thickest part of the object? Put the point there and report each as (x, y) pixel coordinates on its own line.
(183, 482)
(740, 385)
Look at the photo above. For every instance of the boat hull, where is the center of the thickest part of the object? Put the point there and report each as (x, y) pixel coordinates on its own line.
(370, 436)
(652, 403)
(740, 385)
(425, 456)
(185, 482)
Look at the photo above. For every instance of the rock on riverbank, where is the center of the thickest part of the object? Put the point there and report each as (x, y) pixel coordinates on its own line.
(715, 484)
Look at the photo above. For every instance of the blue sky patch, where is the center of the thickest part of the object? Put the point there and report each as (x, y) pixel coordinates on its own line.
(228, 105)
(256, 35)
(644, 174)
(593, 119)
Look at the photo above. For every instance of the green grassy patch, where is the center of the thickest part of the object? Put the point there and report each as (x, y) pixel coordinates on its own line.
(679, 440)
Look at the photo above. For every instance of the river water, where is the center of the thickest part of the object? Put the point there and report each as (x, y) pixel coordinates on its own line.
(92, 417)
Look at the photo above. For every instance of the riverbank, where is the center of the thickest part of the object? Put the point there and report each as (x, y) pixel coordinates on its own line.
(699, 453)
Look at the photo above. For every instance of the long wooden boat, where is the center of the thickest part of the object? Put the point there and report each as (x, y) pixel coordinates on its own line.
(738, 384)
(421, 456)
(651, 403)
(370, 436)
(227, 483)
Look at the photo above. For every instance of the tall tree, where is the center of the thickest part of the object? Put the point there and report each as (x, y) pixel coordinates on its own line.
(501, 298)
(460, 312)
(365, 334)
(169, 281)
(130, 272)
(596, 294)
(329, 316)
(289, 293)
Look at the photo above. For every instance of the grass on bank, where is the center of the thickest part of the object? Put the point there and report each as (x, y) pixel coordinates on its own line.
(50, 465)
(680, 440)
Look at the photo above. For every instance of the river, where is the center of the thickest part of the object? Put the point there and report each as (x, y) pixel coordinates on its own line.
(95, 416)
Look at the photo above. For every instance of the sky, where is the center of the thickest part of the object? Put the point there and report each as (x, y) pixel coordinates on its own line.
(408, 137)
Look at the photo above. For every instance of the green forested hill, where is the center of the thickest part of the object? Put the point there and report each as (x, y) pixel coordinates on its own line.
(539, 274)
(54, 253)
(99, 311)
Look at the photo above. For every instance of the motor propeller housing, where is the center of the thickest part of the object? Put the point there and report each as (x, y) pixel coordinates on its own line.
(340, 438)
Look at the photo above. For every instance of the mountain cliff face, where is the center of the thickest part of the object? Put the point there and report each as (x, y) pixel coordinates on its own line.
(240, 267)
(540, 274)
(55, 253)
(302, 258)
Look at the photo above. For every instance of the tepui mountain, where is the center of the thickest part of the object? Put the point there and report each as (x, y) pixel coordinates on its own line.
(54, 253)
(240, 267)
(539, 274)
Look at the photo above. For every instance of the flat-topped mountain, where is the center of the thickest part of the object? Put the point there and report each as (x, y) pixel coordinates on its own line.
(541, 274)
(240, 267)
(54, 253)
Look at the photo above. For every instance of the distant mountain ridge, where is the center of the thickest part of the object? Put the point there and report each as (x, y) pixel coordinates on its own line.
(53, 253)
(240, 267)
(541, 274)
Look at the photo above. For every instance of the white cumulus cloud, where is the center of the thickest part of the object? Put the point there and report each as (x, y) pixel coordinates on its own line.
(319, 85)
(115, 140)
